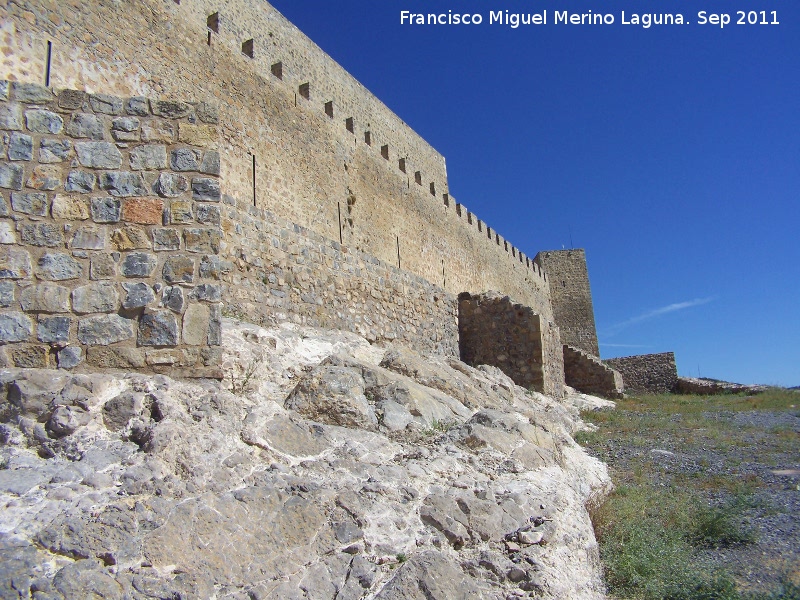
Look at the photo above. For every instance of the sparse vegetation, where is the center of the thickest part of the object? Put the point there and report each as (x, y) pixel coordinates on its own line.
(241, 377)
(690, 474)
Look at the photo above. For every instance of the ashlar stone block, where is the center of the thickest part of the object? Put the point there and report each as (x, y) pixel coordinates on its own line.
(159, 328)
(102, 330)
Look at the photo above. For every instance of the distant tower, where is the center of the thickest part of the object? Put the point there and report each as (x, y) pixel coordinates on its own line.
(571, 297)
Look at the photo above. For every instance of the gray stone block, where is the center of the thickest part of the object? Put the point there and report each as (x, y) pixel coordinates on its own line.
(195, 325)
(71, 99)
(171, 110)
(4, 210)
(208, 292)
(53, 329)
(139, 264)
(5, 86)
(70, 357)
(31, 93)
(184, 159)
(106, 209)
(20, 147)
(32, 203)
(205, 189)
(44, 121)
(11, 116)
(123, 183)
(149, 157)
(11, 176)
(215, 325)
(138, 105)
(103, 103)
(210, 164)
(80, 181)
(15, 263)
(57, 266)
(207, 113)
(89, 238)
(7, 233)
(208, 214)
(102, 267)
(202, 240)
(178, 269)
(210, 267)
(171, 185)
(173, 299)
(98, 155)
(42, 234)
(54, 151)
(45, 297)
(7, 289)
(85, 125)
(15, 327)
(102, 330)
(45, 177)
(166, 239)
(95, 298)
(137, 295)
(159, 328)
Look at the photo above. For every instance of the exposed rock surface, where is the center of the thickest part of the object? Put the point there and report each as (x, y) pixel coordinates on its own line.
(323, 467)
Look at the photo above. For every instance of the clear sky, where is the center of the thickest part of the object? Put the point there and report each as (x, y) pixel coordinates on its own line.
(670, 153)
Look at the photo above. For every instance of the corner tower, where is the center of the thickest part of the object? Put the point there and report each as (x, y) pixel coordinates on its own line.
(571, 296)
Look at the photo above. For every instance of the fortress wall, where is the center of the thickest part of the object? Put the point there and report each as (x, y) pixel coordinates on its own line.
(278, 271)
(647, 373)
(109, 232)
(588, 374)
(307, 164)
(571, 297)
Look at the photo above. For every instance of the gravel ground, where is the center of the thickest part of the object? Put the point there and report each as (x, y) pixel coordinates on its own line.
(715, 451)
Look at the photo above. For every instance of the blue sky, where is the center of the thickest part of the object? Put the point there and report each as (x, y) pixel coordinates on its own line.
(671, 154)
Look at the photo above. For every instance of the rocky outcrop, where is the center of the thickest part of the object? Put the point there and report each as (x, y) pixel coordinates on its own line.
(323, 467)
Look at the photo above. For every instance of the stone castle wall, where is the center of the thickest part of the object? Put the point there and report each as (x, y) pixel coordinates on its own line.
(109, 232)
(297, 151)
(647, 373)
(571, 297)
(588, 374)
(495, 330)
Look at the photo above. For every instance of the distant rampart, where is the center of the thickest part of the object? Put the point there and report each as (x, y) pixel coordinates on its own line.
(647, 373)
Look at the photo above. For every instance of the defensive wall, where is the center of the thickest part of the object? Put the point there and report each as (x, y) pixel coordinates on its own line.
(590, 375)
(647, 373)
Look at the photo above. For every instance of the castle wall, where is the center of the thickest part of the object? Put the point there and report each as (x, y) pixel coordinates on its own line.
(293, 156)
(647, 373)
(109, 232)
(588, 374)
(571, 297)
(495, 330)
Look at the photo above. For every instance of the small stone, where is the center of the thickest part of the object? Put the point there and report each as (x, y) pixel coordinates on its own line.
(210, 267)
(207, 113)
(66, 420)
(106, 209)
(529, 537)
(210, 164)
(130, 238)
(45, 177)
(138, 105)
(7, 293)
(516, 574)
(98, 155)
(103, 103)
(139, 264)
(42, 234)
(102, 330)
(102, 267)
(184, 159)
(11, 176)
(7, 233)
(70, 357)
(74, 208)
(53, 329)
(85, 125)
(34, 203)
(95, 298)
(125, 129)
(215, 325)
(43, 121)
(45, 297)
(205, 189)
(14, 327)
(178, 269)
(57, 266)
(166, 239)
(180, 212)
(202, 240)
(171, 110)
(10, 116)
(207, 292)
(197, 135)
(147, 211)
(4, 210)
(158, 131)
(123, 183)
(89, 238)
(31, 93)
(159, 328)
(15, 263)
(54, 151)
(173, 299)
(20, 147)
(80, 181)
(195, 324)
(31, 357)
(172, 185)
(208, 214)
(137, 295)
(71, 99)
(149, 157)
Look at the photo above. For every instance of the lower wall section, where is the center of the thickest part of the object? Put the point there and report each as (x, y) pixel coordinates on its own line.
(278, 271)
(494, 330)
(647, 373)
(588, 374)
